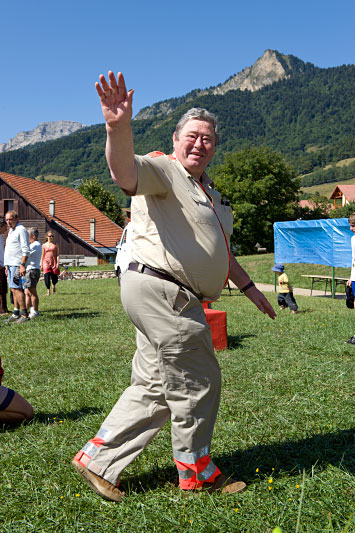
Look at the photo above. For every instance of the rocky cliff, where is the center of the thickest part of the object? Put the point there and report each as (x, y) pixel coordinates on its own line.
(271, 67)
(44, 132)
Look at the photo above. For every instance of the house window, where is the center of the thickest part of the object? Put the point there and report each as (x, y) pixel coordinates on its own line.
(338, 202)
(8, 205)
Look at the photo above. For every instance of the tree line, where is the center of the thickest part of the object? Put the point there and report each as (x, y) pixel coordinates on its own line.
(309, 118)
(330, 175)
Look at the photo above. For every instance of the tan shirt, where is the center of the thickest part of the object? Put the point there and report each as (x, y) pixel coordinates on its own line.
(176, 229)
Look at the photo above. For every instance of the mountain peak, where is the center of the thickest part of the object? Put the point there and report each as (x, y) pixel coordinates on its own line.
(46, 131)
(271, 67)
(268, 69)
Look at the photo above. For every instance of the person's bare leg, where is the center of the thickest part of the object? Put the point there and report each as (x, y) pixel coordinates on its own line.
(34, 300)
(28, 299)
(17, 411)
(19, 299)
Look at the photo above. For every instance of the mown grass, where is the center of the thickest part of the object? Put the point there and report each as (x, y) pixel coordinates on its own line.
(285, 424)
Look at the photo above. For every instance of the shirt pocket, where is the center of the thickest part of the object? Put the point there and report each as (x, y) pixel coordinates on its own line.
(202, 210)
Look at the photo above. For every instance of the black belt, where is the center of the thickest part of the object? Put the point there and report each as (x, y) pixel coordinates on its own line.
(144, 269)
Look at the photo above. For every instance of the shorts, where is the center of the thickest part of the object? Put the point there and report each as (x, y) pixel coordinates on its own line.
(6, 397)
(32, 277)
(13, 272)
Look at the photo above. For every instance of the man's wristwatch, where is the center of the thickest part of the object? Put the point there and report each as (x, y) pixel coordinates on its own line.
(249, 286)
(23, 264)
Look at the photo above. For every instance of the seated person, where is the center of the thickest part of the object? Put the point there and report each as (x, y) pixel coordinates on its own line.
(13, 407)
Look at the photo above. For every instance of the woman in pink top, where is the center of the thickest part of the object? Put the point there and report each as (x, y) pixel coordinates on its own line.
(50, 262)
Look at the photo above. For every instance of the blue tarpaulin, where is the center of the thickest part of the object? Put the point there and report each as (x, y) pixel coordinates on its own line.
(321, 242)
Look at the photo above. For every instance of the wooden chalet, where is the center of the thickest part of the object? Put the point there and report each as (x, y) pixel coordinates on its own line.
(82, 232)
(342, 195)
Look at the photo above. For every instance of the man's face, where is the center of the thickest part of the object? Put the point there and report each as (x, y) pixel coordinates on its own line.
(11, 220)
(195, 146)
(352, 228)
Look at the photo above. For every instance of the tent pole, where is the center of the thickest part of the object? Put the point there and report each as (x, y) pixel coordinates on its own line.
(333, 282)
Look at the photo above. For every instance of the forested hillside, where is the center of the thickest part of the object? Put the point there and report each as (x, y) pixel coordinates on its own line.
(309, 118)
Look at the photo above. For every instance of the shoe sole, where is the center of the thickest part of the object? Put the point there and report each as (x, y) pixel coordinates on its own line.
(227, 486)
(91, 481)
(234, 488)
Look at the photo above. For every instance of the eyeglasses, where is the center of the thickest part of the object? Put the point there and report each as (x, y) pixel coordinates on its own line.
(50, 236)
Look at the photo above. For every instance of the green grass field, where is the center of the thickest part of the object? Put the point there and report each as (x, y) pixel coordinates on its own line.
(285, 424)
(326, 189)
(259, 267)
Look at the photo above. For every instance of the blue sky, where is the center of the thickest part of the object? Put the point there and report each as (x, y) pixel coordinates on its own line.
(52, 53)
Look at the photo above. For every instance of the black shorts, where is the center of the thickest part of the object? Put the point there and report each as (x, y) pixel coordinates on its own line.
(6, 397)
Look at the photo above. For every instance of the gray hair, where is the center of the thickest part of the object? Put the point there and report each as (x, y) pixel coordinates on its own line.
(197, 113)
(12, 212)
(34, 232)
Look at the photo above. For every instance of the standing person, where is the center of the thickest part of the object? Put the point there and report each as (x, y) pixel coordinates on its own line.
(285, 296)
(3, 281)
(33, 272)
(351, 281)
(17, 250)
(180, 255)
(50, 262)
(13, 407)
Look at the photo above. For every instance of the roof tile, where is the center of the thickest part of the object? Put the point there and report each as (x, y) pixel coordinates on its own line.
(72, 210)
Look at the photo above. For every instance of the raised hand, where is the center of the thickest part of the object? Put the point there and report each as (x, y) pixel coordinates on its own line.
(116, 102)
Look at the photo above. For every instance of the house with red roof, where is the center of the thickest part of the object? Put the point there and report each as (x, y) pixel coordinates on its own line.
(80, 229)
(342, 195)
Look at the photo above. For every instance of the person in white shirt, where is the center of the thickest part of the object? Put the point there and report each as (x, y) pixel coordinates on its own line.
(3, 281)
(33, 272)
(17, 250)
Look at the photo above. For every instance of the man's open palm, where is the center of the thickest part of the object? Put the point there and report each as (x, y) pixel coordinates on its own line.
(116, 102)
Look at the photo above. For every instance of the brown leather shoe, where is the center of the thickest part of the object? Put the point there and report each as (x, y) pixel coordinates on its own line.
(225, 485)
(102, 487)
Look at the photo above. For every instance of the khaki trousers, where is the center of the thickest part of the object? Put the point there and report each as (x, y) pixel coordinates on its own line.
(175, 374)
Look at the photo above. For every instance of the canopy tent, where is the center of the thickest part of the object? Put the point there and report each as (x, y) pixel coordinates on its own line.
(321, 242)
